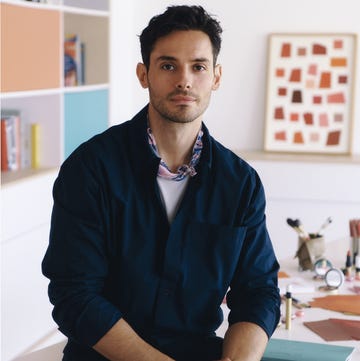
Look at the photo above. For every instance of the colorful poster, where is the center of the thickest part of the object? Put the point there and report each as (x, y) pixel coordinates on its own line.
(310, 93)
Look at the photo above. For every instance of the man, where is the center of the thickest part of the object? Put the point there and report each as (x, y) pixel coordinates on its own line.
(154, 221)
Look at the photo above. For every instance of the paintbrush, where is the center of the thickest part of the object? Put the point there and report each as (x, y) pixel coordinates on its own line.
(324, 225)
(298, 227)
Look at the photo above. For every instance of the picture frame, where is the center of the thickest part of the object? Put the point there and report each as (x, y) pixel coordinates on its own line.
(310, 93)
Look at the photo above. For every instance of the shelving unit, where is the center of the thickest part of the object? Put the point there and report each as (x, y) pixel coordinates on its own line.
(32, 82)
(32, 72)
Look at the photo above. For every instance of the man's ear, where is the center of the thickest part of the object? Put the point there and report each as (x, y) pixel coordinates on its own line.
(141, 73)
(217, 77)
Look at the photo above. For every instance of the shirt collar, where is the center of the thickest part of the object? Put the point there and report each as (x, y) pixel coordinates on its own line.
(184, 170)
(146, 161)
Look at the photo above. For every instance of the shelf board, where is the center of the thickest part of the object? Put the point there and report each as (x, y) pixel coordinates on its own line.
(258, 155)
(30, 93)
(83, 11)
(12, 177)
(34, 5)
(53, 91)
(55, 5)
(85, 88)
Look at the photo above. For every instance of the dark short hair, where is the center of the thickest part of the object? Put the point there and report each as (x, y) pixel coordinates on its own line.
(180, 17)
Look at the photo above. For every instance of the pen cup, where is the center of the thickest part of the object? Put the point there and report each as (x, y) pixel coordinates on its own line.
(310, 250)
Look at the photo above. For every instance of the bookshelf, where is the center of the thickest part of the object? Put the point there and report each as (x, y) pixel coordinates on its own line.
(32, 81)
(32, 69)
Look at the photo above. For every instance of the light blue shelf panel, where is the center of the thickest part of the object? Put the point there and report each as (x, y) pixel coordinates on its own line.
(86, 114)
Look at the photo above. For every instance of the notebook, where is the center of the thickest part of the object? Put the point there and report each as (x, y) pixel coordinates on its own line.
(286, 350)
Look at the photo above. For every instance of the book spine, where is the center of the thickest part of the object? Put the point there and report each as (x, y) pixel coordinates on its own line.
(25, 140)
(82, 63)
(12, 140)
(15, 141)
(17, 124)
(4, 155)
(74, 60)
(35, 145)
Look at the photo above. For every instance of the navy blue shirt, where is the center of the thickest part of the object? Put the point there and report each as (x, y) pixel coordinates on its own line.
(112, 252)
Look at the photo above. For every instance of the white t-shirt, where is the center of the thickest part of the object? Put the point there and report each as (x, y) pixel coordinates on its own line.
(171, 193)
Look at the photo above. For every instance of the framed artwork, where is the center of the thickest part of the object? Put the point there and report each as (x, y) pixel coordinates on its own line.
(309, 102)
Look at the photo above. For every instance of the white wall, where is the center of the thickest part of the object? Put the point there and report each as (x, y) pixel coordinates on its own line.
(311, 192)
(236, 115)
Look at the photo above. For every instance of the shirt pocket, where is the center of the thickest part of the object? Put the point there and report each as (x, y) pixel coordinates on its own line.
(211, 254)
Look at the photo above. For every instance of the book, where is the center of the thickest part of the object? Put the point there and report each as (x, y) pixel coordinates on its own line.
(25, 145)
(35, 145)
(4, 156)
(74, 55)
(287, 350)
(15, 141)
(10, 120)
(82, 75)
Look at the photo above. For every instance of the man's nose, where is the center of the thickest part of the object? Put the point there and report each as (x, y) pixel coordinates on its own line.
(184, 81)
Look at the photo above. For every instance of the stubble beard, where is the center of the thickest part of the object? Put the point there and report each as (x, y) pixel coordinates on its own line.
(183, 113)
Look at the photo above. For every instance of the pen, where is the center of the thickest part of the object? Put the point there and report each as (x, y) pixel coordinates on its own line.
(357, 267)
(288, 307)
(348, 265)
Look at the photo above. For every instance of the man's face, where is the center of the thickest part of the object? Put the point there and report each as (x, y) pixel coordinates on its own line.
(181, 76)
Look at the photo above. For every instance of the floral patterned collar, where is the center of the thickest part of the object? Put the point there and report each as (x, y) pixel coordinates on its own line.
(185, 169)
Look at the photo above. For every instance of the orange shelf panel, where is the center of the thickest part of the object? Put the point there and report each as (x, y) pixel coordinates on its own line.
(30, 48)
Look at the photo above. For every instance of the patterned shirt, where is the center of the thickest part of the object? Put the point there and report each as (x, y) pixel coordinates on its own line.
(183, 170)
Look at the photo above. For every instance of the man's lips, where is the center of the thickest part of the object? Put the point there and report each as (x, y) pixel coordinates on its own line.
(182, 99)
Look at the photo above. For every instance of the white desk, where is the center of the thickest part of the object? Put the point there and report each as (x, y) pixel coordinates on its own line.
(336, 253)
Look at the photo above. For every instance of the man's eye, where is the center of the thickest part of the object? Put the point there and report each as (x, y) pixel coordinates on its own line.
(167, 67)
(199, 67)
